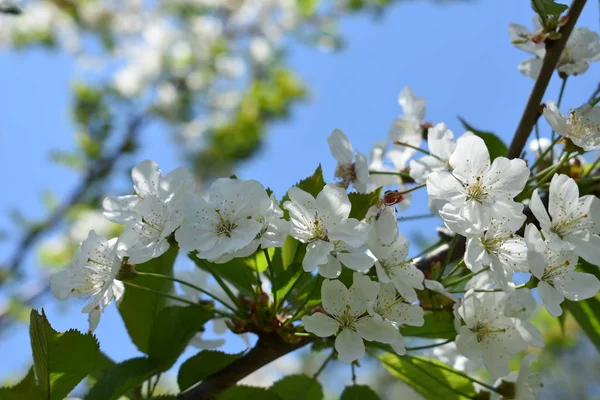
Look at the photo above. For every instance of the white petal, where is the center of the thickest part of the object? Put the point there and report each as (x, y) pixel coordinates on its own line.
(551, 297)
(334, 297)
(320, 324)
(508, 175)
(94, 319)
(335, 200)
(470, 158)
(555, 118)
(350, 346)
(60, 285)
(317, 253)
(120, 209)
(356, 260)
(577, 285)
(539, 211)
(375, 329)
(146, 178)
(340, 147)
(331, 269)
(564, 194)
(443, 185)
(589, 249)
(363, 292)
(467, 345)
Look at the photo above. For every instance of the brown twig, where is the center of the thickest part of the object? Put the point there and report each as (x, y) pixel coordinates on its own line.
(554, 49)
(268, 348)
(98, 171)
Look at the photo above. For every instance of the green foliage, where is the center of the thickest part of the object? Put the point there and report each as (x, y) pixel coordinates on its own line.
(203, 365)
(587, 314)
(26, 389)
(359, 392)
(172, 329)
(60, 360)
(248, 392)
(548, 9)
(297, 387)
(238, 271)
(139, 308)
(122, 378)
(313, 184)
(8, 7)
(432, 379)
(438, 324)
(361, 202)
(495, 145)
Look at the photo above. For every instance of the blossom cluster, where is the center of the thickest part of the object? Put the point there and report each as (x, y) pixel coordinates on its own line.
(472, 194)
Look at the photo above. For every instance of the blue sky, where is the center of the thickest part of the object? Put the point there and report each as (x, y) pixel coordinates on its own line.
(457, 56)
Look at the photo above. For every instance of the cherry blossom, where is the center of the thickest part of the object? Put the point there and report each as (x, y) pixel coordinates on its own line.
(92, 275)
(477, 190)
(230, 219)
(349, 169)
(346, 315)
(441, 143)
(572, 220)
(582, 125)
(333, 238)
(555, 268)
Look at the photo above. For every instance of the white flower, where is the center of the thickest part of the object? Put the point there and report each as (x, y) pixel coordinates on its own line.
(582, 125)
(555, 268)
(91, 275)
(230, 219)
(346, 313)
(449, 354)
(441, 143)
(526, 385)
(390, 176)
(391, 264)
(408, 128)
(574, 218)
(583, 47)
(437, 287)
(332, 237)
(499, 248)
(475, 190)
(488, 334)
(349, 169)
(521, 304)
(153, 213)
(392, 309)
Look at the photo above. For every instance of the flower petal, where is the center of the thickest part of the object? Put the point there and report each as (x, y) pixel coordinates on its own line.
(320, 324)
(350, 346)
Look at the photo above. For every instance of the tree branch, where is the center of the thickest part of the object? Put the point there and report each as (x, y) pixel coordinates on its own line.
(95, 173)
(554, 49)
(268, 348)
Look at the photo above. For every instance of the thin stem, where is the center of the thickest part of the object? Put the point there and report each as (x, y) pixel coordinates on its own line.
(560, 96)
(405, 177)
(467, 277)
(415, 217)
(322, 367)
(453, 270)
(220, 281)
(412, 189)
(488, 290)
(300, 309)
(552, 172)
(410, 146)
(169, 296)
(429, 346)
(155, 384)
(353, 368)
(535, 164)
(427, 250)
(593, 166)
(537, 138)
(272, 277)
(596, 101)
(173, 279)
(456, 372)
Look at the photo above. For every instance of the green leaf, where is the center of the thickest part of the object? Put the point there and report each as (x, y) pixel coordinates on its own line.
(122, 378)
(438, 324)
(546, 8)
(248, 392)
(24, 390)
(313, 184)
(60, 360)
(495, 145)
(587, 314)
(103, 364)
(361, 202)
(298, 387)
(359, 392)
(308, 7)
(236, 272)
(138, 307)
(172, 330)
(432, 379)
(203, 365)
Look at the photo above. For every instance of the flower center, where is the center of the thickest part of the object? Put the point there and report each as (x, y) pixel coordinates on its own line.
(347, 174)
(319, 230)
(581, 127)
(224, 227)
(476, 191)
(482, 330)
(551, 272)
(562, 227)
(493, 244)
